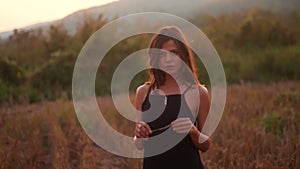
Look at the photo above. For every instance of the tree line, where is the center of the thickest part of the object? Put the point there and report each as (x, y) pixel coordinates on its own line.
(257, 45)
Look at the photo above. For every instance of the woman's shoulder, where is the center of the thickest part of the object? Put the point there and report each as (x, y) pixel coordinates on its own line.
(143, 89)
(203, 90)
(141, 94)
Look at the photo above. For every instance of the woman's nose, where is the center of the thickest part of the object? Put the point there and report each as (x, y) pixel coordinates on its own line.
(169, 57)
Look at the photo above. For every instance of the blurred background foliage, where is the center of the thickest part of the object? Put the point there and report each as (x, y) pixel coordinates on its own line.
(257, 45)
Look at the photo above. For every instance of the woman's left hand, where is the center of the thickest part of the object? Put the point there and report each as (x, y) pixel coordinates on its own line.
(182, 125)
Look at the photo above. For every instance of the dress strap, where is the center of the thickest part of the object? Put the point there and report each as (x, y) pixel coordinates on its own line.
(187, 88)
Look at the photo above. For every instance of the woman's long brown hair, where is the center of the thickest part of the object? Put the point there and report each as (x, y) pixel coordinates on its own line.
(156, 76)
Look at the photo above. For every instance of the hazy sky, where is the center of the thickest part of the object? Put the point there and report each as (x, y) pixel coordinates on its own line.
(18, 13)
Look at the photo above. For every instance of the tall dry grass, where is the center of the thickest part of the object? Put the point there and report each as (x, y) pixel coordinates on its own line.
(259, 129)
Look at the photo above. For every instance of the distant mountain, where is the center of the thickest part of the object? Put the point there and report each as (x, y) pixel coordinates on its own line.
(223, 6)
(125, 7)
(183, 8)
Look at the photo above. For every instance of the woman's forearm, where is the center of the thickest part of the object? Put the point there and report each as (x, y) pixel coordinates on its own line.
(200, 140)
(138, 142)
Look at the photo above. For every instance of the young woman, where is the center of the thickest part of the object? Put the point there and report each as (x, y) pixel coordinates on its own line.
(173, 85)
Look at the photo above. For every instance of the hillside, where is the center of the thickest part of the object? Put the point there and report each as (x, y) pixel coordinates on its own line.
(185, 9)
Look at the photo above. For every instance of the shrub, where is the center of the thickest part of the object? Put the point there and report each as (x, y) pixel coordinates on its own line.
(55, 75)
(10, 72)
(273, 123)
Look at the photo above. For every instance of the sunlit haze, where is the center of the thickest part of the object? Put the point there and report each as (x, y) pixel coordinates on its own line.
(17, 14)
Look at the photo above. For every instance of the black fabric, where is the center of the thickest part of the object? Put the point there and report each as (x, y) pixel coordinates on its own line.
(182, 156)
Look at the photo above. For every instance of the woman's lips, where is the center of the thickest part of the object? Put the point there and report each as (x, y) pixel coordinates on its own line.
(169, 67)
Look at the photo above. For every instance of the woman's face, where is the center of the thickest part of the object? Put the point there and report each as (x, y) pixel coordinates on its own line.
(170, 62)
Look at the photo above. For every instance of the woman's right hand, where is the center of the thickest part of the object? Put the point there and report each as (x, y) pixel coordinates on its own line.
(142, 130)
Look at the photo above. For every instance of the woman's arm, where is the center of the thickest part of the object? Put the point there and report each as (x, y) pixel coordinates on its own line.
(200, 140)
(142, 130)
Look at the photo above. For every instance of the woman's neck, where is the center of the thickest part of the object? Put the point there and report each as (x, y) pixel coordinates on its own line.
(171, 82)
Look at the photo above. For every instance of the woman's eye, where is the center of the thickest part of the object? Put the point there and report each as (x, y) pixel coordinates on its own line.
(176, 52)
(162, 53)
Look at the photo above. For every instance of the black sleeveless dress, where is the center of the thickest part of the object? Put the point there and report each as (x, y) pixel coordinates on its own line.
(183, 155)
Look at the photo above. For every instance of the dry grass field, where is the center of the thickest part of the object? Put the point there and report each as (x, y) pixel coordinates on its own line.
(260, 128)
